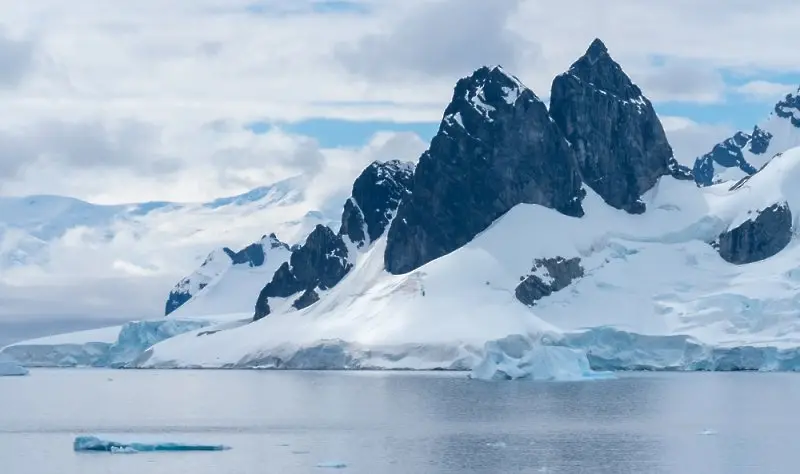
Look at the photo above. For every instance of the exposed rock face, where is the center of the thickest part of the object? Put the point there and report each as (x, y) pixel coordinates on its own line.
(789, 108)
(321, 263)
(324, 259)
(376, 194)
(618, 140)
(254, 255)
(547, 276)
(496, 147)
(730, 153)
(305, 300)
(759, 238)
(175, 300)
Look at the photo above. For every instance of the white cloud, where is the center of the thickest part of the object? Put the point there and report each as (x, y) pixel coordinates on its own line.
(441, 38)
(89, 77)
(765, 91)
(690, 139)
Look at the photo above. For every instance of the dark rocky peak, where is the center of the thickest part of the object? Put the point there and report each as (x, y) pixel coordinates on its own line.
(789, 108)
(321, 262)
(496, 147)
(759, 141)
(376, 194)
(599, 70)
(617, 139)
(730, 154)
(483, 96)
(255, 254)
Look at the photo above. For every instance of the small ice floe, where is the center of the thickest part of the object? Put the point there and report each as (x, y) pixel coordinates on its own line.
(497, 444)
(708, 432)
(95, 444)
(332, 465)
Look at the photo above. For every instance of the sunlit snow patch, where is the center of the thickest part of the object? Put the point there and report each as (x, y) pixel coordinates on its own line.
(518, 357)
(94, 444)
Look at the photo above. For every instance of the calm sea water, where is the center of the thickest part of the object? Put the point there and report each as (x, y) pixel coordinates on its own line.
(385, 423)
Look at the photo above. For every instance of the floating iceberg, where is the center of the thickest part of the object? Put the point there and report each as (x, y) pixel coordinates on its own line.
(92, 443)
(518, 357)
(8, 368)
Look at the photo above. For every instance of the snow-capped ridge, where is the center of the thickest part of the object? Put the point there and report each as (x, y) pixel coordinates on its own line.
(203, 289)
(478, 97)
(744, 154)
(326, 258)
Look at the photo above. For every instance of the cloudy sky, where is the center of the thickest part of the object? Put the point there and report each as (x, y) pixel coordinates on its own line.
(116, 101)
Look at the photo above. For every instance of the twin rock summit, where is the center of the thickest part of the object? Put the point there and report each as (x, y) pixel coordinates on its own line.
(497, 146)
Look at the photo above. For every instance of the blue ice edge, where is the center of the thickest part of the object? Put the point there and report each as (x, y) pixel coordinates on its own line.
(95, 444)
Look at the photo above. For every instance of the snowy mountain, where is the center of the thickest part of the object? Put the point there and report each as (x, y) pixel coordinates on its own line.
(228, 281)
(88, 257)
(745, 153)
(572, 226)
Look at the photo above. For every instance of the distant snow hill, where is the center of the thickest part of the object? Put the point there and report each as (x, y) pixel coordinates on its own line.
(63, 247)
(570, 226)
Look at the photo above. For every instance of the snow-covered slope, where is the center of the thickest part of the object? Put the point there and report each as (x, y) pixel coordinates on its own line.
(745, 153)
(227, 281)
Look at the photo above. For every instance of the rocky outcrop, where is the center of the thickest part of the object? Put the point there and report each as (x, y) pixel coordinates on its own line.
(376, 194)
(305, 300)
(789, 108)
(216, 264)
(758, 238)
(730, 154)
(496, 147)
(618, 140)
(321, 262)
(254, 255)
(547, 276)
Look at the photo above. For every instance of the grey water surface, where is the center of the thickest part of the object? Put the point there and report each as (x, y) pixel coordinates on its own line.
(387, 423)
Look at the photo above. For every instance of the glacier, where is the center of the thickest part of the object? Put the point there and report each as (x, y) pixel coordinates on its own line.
(95, 444)
(518, 357)
(115, 346)
(12, 369)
